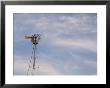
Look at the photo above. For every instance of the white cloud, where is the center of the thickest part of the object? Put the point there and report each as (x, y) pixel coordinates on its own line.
(91, 63)
(72, 23)
(45, 67)
(87, 44)
(20, 65)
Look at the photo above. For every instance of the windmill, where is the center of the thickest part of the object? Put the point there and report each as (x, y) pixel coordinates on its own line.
(32, 63)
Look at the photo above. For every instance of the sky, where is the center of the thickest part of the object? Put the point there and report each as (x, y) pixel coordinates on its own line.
(68, 44)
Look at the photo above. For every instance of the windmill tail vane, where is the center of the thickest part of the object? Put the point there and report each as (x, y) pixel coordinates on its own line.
(32, 63)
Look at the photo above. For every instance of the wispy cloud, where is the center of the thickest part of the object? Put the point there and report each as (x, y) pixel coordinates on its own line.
(86, 44)
(21, 65)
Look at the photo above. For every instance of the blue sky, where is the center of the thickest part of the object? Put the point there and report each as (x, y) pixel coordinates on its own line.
(68, 44)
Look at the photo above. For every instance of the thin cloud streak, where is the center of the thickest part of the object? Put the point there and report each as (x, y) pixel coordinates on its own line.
(87, 44)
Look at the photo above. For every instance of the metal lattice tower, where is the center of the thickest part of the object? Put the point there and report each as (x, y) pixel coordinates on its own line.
(32, 62)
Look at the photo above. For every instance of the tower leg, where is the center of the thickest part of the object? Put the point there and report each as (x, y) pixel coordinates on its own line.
(34, 56)
(32, 62)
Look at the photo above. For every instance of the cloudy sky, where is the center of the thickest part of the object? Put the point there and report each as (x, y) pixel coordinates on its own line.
(68, 44)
